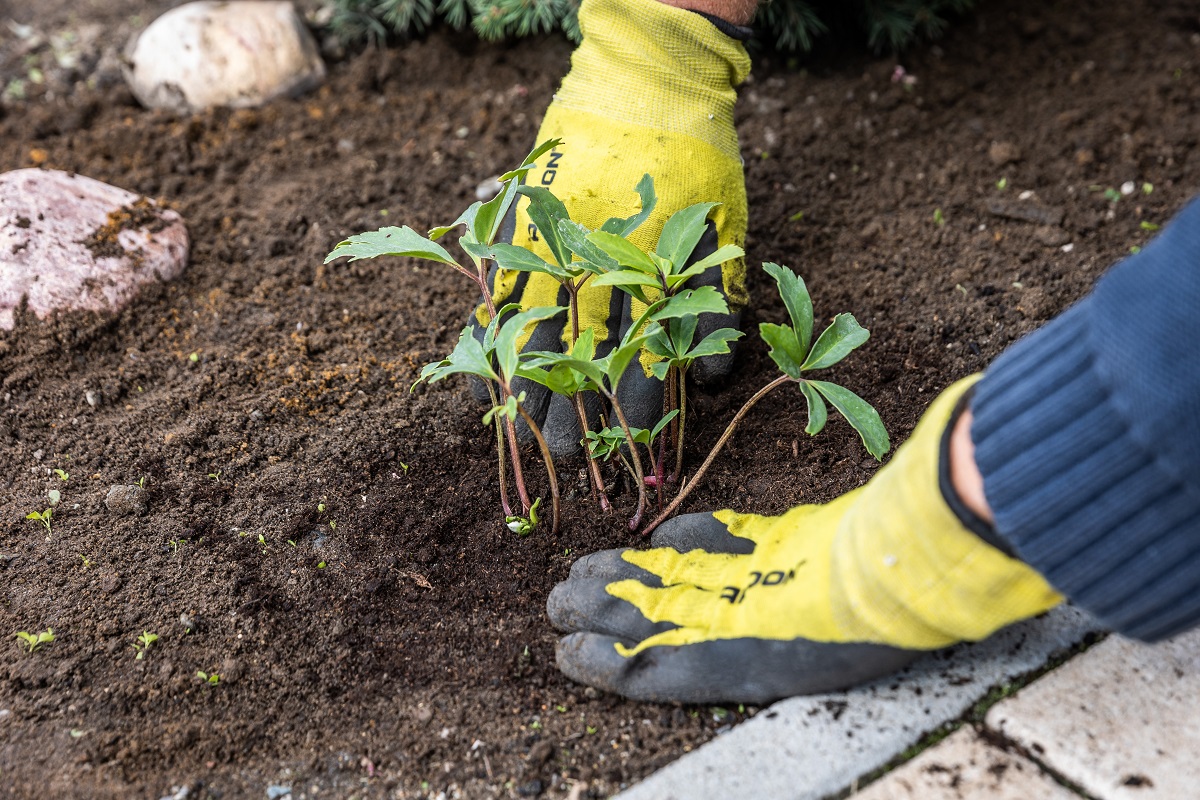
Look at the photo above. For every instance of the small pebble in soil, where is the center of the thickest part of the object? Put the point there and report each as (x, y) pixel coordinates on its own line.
(126, 500)
(277, 792)
(531, 789)
(488, 188)
(1002, 153)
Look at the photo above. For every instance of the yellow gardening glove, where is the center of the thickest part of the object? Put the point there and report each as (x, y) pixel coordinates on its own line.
(738, 607)
(650, 91)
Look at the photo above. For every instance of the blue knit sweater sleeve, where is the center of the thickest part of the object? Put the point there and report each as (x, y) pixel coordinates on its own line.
(1087, 433)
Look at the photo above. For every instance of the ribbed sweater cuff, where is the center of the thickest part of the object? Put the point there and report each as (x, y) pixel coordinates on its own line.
(1074, 494)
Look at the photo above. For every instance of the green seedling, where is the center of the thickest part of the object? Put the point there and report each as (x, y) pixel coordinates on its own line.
(141, 482)
(1147, 188)
(42, 518)
(262, 540)
(143, 643)
(32, 641)
(669, 333)
(174, 544)
(1112, 195)
(796, 355)
(938, 217)
(1149, 226)
(63, 475)
(320, 565)
(320, 508)
(523, 526)
(210, 678)
(1002, 184)
(215, 476)
(87, 562)
(797, 217)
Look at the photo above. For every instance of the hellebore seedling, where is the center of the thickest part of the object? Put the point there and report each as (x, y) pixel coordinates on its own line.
(143, 643)
(63, 475)
(33, 641)
(210, 678)
(521, 525)
(42, 517)
(796, 355)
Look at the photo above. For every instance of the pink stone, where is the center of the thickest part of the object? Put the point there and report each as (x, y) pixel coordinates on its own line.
(70, 243)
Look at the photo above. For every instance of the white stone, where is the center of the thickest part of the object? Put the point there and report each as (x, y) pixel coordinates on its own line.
(1121, 721)
(239, 54)
(47, 219)
(807, 748)
(965, 767)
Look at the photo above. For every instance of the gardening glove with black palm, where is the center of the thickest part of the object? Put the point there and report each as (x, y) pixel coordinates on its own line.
(744, 608)
(650, 91)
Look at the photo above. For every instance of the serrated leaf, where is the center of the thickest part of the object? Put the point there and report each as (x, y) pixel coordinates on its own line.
(681, 233)
(817, 412)
(547, 211)
(836, 342)
(797, 301)
(466, 218)
(623, 251)
(468, 357)
(785, 349)
(507, 356)
(595, 260)
(624, 227)
(391, 241)
(509, 256)
(859, 413)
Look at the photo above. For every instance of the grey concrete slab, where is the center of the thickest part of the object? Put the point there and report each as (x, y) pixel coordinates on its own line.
(1121, 721)
(965, 767)
(805, 748)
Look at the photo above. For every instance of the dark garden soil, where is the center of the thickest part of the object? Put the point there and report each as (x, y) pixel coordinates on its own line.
(260, 385)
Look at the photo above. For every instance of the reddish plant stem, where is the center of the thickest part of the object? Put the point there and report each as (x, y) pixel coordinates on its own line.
(712, 454)
(550, 472)
(639, 474)
(593, 469)
(681, 380)
(500, 453)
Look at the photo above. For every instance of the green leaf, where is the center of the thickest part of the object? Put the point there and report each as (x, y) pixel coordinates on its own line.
(718, 256)
(859, 413)
(547, 211)
(531, 160)
(591, 370)
(466, 218)
(701, 300)
(391, 242)
(473, 247)
(624, 227)
(628, 280)
(507, 356)
(574, 236)
(467, 357)
(682, 233)
(619, 359)
(716, 343)
(490, 216)
(835, 342)
(785, 349)
(796, 299)
(623, 251)
(518, 258)
(662, 423)
(817, 412)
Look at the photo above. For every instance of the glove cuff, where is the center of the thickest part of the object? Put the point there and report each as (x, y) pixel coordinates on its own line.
(645, 63)
(1075, 495)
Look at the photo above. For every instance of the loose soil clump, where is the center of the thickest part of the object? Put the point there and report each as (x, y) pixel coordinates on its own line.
(386, 635)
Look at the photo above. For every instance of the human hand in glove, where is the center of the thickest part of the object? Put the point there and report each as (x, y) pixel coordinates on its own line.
(650, 91)
(742, 608)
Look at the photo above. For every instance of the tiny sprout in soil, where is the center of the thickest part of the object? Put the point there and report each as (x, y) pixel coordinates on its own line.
(143, 643)
(32, 641)
(209, 678)
(663, 337)
(42, 517)
(63, 475)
